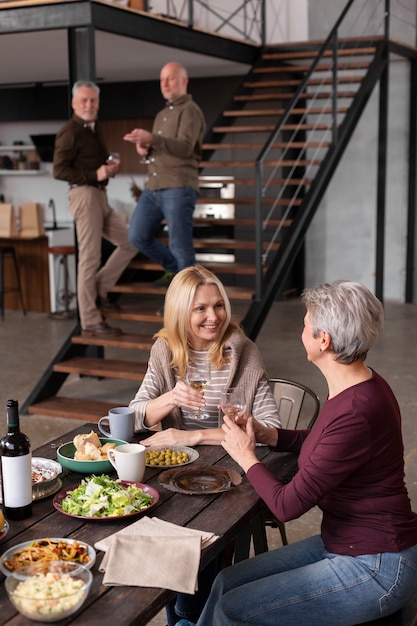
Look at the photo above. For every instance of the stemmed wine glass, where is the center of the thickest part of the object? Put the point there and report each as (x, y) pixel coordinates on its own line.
(113, 158)
(198, 377)
(232, 402)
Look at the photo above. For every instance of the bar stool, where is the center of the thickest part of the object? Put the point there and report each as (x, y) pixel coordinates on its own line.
(63, 252)
(9, 251)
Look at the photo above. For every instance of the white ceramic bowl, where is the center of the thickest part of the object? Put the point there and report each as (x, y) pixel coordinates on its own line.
(49, 591)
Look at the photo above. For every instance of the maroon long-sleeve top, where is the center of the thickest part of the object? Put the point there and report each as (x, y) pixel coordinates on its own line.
(351, 465)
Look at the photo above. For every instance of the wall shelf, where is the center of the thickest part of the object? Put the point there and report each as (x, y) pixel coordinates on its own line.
(16, 147)
(22, 172)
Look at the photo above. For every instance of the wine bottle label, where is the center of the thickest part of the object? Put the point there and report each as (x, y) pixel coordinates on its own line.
(17, 480)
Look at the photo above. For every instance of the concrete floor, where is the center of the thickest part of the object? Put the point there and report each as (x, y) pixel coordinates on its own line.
(28, 343)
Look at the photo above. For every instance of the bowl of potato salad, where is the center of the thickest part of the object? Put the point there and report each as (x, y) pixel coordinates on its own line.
(49, 593)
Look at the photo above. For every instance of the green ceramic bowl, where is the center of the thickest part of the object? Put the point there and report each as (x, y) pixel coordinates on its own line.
(65, 455)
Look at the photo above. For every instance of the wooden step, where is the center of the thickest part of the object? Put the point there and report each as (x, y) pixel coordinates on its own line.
(269, 128)
(283, 163)
(216, 268)
(72, 408)
(248, 201)
(212, 243)
(280, 112)
(259, 97)
(296, 145)
(321, 67)
(106, 368)
(278, 84)
(128, 340)
(251, 181)
(143, 313)
(234, 293)
(312, 54)
(249, 221)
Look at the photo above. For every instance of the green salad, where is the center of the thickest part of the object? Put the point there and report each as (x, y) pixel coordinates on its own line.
(101, 496)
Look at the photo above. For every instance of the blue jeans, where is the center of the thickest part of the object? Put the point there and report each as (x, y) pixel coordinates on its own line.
(304, 585)
(176, 206)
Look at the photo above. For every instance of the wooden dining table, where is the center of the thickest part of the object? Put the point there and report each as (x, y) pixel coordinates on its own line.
(234, 515)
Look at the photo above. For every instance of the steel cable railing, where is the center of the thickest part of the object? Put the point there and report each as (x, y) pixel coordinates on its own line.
(243, 18)
(318, 117)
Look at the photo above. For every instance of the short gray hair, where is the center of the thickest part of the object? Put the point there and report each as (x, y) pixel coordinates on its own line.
(85, 83)
(350, 313)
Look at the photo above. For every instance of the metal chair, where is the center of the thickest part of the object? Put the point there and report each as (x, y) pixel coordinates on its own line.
(298, 407)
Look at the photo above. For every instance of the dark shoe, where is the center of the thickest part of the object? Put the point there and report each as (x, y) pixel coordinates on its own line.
(165, 280)
(100, 330)
(107, 305)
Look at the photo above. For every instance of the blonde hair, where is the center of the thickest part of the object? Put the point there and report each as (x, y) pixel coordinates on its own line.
(179, 301)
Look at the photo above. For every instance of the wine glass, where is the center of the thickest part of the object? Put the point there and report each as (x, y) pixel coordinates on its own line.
(113, 158)
(233, 403)
(198, 377)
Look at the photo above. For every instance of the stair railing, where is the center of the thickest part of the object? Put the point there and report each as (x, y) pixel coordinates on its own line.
(323, 135)
(247, 19)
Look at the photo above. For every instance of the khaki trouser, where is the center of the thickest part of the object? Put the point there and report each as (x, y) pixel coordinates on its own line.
(94, 219)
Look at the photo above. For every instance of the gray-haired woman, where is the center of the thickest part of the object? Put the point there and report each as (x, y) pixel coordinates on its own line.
(363, 565)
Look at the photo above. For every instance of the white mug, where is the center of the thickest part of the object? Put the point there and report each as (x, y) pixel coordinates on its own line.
(121, 422)
(129, 461)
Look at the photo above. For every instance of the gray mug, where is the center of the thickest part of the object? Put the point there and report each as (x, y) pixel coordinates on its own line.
(120, 421)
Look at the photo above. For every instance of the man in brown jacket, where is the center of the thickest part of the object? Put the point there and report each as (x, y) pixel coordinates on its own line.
(81, 159)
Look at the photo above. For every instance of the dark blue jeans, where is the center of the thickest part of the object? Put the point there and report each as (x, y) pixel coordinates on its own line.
(176, 206)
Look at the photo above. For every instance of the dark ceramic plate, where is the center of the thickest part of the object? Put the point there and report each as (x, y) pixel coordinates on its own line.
(199, 480)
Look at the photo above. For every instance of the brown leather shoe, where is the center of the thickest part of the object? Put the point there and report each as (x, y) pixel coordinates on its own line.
(107, 305)
(100, 330)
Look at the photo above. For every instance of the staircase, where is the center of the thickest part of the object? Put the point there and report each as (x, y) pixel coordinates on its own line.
(280, 138)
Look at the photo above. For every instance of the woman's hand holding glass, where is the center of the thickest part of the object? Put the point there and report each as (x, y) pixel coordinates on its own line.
(198, 377)
(233, 403)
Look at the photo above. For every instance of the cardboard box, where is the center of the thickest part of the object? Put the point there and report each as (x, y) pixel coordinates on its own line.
(31, 220)
(8, 226)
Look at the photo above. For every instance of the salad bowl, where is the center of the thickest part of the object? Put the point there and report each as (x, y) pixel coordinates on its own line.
(51, 593)
(101, 498)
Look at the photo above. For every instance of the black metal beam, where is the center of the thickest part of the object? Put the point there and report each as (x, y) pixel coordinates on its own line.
(81, 54)
(381, 184)
(174, 35)
(410, 261)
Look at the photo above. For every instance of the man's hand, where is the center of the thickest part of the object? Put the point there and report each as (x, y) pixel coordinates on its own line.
(140, 137)
(107, 171)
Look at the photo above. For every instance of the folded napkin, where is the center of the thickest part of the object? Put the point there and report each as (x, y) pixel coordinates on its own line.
(154, 553)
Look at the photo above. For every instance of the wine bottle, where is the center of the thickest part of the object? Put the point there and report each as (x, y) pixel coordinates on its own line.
(16, 468)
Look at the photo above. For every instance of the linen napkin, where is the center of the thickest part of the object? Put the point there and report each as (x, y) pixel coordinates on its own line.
(154, 553)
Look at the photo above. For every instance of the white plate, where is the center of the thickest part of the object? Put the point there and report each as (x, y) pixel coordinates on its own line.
(192, 454)
(11, 551)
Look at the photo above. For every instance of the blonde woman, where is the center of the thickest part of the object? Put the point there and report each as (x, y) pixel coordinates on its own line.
(198, 327)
